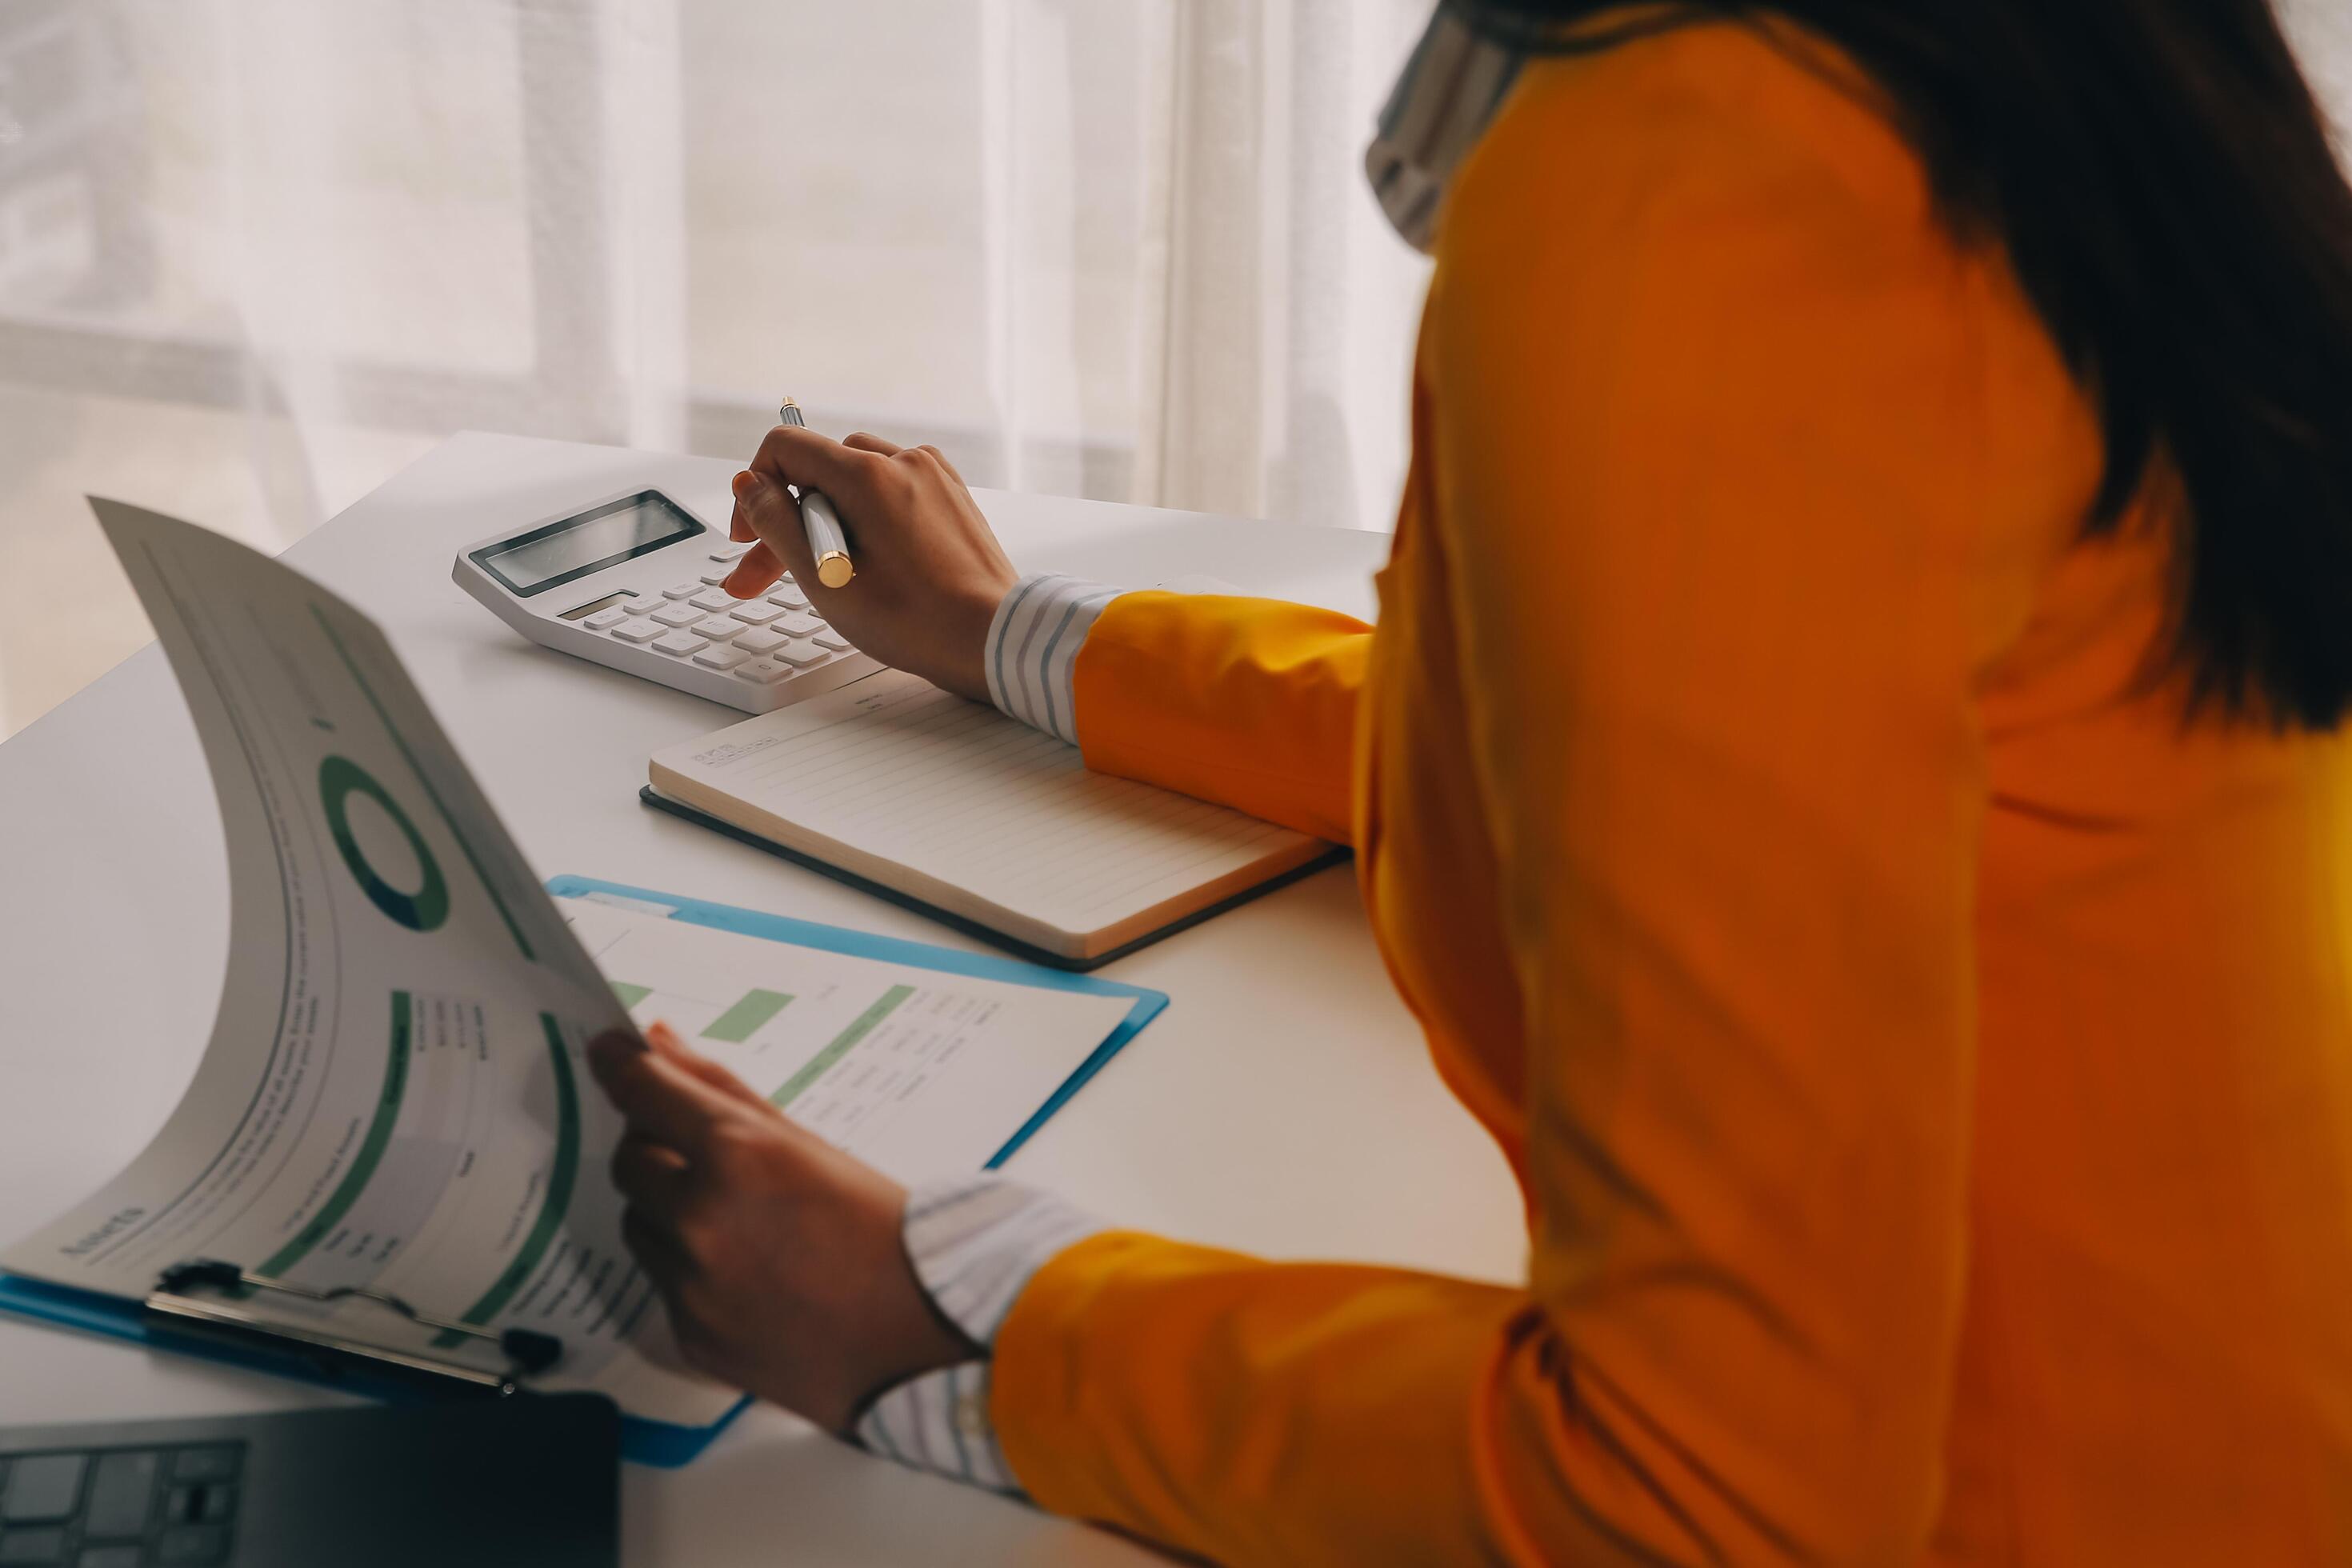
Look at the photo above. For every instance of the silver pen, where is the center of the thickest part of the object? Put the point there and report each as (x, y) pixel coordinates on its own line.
(827, 544)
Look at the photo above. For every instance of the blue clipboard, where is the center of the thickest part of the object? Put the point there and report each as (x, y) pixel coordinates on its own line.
(656, 1442)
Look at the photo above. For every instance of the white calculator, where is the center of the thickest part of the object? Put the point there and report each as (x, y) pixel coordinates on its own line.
(632, 581)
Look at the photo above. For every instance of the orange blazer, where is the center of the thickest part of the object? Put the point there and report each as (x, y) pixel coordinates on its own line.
(1927, 1059)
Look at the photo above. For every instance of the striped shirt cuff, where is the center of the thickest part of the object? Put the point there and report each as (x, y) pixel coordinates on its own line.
(976, 1243)
(1453, 85)
(939, 1422)
(1032, 649)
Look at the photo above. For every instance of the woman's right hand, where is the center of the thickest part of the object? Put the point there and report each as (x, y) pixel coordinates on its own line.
(929, 571)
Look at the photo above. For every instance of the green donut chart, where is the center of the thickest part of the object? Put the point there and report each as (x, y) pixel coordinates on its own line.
(424, 909)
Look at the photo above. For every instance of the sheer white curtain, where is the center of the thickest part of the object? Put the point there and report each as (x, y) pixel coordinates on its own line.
(257, 254)
(2321, 29)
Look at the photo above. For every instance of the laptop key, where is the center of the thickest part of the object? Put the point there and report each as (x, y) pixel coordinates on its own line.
(110, 1557)
(44, 1545)
(217, 1464)
(42, 1487)
(119, 1492)
(219, 1505)
(191, 1543)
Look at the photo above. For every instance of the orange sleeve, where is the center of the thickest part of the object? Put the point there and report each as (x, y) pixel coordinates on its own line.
(1707, 401)
(1247, 702)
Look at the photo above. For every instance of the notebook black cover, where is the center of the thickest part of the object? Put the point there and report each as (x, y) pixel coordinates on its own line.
(994, 938)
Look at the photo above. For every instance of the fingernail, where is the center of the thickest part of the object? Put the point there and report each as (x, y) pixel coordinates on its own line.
(746, 482)
(663, 1037)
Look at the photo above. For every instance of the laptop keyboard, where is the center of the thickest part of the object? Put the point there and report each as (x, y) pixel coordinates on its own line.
(120, 1507)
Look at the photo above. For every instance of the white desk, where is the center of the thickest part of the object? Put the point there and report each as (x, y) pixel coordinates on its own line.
(1283, 1104)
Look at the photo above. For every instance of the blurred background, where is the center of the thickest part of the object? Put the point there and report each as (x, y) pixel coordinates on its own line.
(257, 255)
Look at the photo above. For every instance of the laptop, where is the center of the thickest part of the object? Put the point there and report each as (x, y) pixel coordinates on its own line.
(516, 1482)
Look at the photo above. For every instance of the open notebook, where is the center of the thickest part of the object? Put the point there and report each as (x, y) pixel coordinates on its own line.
(953, 808)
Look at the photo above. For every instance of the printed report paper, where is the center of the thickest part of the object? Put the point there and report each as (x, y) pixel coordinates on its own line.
(918, 1072)
(393, 1095)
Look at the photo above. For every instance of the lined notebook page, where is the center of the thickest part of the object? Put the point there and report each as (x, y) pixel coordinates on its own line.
(901, 771)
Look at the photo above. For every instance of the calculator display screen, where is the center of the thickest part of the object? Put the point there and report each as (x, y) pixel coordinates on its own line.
(604, 536)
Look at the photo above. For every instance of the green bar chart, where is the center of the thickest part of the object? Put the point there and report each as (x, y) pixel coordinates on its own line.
(817, 1065)
(739, 1021)
(630, 995)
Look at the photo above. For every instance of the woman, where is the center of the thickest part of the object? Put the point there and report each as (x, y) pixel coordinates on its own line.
(1848, 774)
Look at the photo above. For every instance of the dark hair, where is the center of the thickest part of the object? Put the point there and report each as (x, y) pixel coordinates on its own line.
(2162, 176)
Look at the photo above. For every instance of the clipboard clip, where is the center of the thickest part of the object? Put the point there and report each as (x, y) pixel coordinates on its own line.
(199, 1299)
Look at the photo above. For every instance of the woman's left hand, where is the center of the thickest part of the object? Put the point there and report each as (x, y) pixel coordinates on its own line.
(778, 1256)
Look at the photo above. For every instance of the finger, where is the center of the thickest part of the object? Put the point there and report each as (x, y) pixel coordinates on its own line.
(754, 574)
(652, 1176)
(739, 527)
(728, 1084)
(865, 443)
(664, 1038)
(775, 516)
(941, 459)
(792, 455)
(657, 1249)
(660, 1100)
(621, 1042)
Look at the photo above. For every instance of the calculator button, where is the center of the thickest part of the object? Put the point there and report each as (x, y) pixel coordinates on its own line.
(755, 614)
(800, 654)
(717, 628)
(762, 672)
(681, 590)
(729, 552)
(800, 625)
(636, 631)
(712, 579)
(605, 620)
(680, 643)
(790, 598)
(722, 656)
(677, 614)
(832, 640)
(761, 640)
(714, 599)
